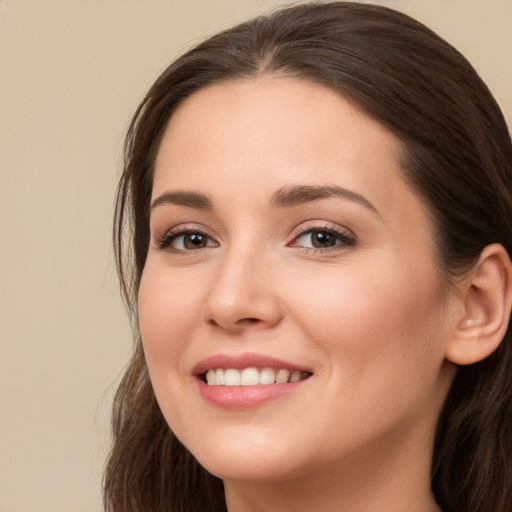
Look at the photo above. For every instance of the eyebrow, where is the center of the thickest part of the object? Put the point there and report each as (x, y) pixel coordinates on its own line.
(183, 198)
(296, 195)
(285, 197)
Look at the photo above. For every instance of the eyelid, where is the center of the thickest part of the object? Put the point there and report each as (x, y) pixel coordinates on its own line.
(347, 237)
(162, 242)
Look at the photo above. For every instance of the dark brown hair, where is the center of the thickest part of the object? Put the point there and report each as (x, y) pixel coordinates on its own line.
(457, 156)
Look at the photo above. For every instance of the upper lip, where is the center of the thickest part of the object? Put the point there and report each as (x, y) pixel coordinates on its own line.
(242, 361)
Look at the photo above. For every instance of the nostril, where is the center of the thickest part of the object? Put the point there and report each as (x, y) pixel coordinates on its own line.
(241, 322)
(248, 321)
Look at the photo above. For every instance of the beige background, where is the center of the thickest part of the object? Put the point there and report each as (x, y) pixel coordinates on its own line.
(71, 74)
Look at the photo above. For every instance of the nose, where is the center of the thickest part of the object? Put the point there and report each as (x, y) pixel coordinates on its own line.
(243, 294)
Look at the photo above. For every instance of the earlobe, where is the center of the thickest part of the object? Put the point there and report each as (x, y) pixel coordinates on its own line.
(486, 313)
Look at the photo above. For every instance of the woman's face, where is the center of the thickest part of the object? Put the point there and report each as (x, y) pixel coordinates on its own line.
(285, 245)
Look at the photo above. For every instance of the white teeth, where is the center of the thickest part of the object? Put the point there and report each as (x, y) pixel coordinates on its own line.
(219, 377)
(210, 377)
(295, 376)
(267, 376)
(282, 376)
(231, 377)
(252, 376)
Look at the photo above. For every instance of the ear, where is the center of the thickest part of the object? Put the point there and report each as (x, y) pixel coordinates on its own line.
(487, 298)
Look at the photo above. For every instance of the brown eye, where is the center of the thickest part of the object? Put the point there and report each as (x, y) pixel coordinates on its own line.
(184, 241)
(193, 241)
(323, 239)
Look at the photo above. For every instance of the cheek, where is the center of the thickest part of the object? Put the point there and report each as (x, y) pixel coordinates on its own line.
(378, 326)
(381, 337)
(166, 317)
(169, 311)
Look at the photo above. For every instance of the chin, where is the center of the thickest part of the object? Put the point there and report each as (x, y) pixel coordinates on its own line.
(259, 469)
(251, 457)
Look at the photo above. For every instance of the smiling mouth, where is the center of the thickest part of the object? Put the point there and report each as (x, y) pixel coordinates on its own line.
(252, 376)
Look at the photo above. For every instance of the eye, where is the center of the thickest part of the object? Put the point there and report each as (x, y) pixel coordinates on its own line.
(185, 240)
(322, 239)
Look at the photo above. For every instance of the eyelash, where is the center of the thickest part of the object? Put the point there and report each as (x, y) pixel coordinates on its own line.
(343, 241)
(168, 238)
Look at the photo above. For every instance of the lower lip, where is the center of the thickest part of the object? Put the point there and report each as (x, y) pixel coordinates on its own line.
(241, 397)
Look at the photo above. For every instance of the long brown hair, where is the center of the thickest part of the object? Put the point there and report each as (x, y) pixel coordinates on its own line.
(457, 157)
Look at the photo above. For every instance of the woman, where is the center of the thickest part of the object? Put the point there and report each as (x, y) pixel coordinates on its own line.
(319, 218)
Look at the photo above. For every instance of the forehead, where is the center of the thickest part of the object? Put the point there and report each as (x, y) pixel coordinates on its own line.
(275, 131)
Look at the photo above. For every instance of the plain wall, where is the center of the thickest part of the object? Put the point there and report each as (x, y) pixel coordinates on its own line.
(71, 74)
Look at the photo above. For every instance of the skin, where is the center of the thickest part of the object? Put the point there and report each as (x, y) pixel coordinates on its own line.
(370, 319)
